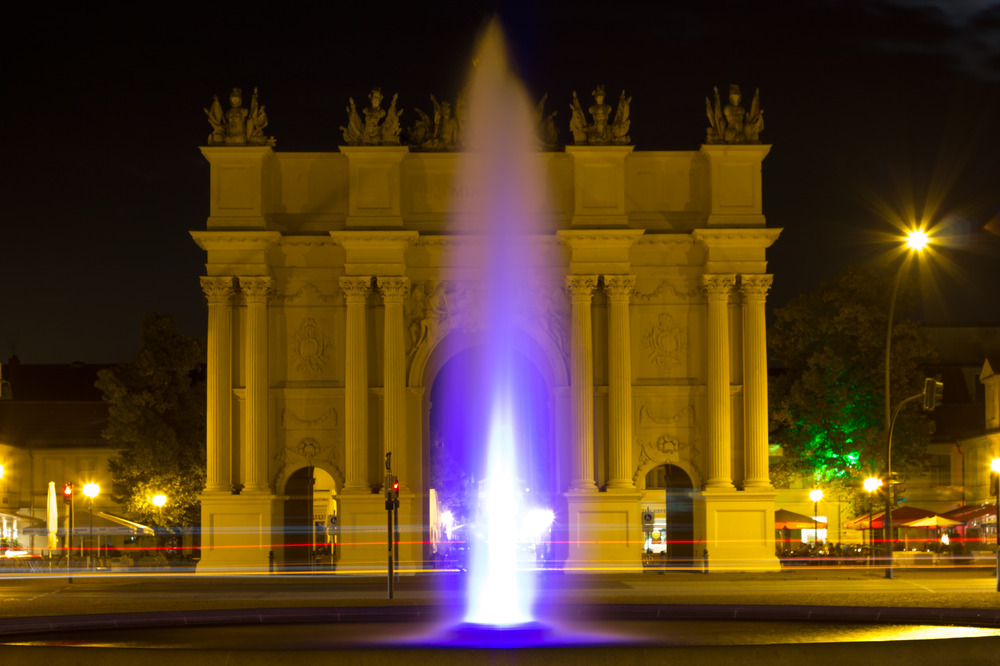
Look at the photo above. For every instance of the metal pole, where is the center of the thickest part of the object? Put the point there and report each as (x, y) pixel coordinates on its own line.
(91, 527)
(888, 420)
(997, 529)
(387, 491)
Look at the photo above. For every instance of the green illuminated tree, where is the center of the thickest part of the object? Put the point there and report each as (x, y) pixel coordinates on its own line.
(156, 424)
(827, 406)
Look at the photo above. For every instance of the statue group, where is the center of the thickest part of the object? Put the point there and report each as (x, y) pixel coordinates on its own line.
(732, 123)
(447, 129)
(600, 132)
(238, 126)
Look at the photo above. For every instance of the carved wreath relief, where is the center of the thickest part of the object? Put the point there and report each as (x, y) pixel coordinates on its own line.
(665, 344)
(309, 345)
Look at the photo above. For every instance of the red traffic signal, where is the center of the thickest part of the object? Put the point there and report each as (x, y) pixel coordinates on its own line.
(395, 486)
(68, 493)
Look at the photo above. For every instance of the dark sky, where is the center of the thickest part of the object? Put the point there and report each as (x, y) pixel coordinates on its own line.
(875, 110)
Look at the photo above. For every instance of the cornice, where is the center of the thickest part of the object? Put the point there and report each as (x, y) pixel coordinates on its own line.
(235, 240)
(736, 237)
(603, 236)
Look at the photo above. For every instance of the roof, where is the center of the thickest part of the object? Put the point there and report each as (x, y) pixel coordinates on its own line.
(52, 423)
(65, 382)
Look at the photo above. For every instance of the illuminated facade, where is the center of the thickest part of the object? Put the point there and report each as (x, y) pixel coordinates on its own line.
(330, 319)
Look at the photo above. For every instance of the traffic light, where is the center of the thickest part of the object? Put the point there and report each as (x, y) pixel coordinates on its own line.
(933, 392)
(68, 493)
(395, 493)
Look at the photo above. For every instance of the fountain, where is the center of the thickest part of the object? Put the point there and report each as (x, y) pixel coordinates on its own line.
(501, 165)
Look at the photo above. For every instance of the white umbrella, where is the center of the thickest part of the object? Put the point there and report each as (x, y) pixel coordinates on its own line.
(52, 515)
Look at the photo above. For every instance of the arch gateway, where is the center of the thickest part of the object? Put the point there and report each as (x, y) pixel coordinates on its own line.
(332, 311)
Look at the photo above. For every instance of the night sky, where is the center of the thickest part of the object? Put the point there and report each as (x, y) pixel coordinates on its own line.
(876, 111)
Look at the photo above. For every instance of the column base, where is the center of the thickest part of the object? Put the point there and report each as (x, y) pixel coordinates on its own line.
(604, 532)
(737, 530)
(236, 531)
(362, 535)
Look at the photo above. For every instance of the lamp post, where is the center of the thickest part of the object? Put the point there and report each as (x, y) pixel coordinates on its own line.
(91, 490)
(871, 485)
(816, 495)
(916, 240)
(158, 501)
(995, 487)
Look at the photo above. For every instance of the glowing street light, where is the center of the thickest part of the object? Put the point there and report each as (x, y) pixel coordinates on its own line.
(871, 485)
(916, 240)
(816, 495)
(159, 501)
(91, 490)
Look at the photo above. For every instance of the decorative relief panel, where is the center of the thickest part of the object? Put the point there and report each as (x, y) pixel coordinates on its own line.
(434, 309)
(304, 294)
(666, 438)
(665, 343)
(668, 291)
(309, 347)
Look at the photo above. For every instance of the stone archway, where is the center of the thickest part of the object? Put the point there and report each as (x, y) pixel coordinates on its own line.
(309, 503)
(457, 411)
(670, 487)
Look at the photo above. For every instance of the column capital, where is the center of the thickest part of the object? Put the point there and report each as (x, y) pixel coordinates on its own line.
(218, 289)
(356, 287)
(257, 288)
(619, 287)
(581, 286)
(394, 289)
(718, 285)
(755, 286)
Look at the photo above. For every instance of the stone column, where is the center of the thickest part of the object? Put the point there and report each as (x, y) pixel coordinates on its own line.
(582, 381)
(356, 290)
(256, 290)
(754, 290)
(394, 290)
(720, 475)
(219, 292)
(619, 288)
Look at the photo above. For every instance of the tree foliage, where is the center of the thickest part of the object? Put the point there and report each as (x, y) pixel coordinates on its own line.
(156, 424)
(828, 405)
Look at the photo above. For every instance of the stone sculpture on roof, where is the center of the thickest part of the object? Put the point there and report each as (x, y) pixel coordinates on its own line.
(732, 123)
(379, 128)
(600, 131)
(238, 126)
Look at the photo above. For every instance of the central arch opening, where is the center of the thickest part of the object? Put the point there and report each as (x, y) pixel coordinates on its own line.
(460, 422)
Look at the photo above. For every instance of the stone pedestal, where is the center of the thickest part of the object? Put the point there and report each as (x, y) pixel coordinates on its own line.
(362, 537)
(735, 184)
(599, 185)
(604, 530)
(237, 531)
(373, 178)
(737, 530)
(240, 194)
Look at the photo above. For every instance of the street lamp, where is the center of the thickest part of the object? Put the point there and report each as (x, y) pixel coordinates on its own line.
(158, 501)
(871, 485)
(995, 487)
(816, 495)
(91, 490)
(916, 241)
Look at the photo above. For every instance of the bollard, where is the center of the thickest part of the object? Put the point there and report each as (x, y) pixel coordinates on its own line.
(270, 561)
(704, 555)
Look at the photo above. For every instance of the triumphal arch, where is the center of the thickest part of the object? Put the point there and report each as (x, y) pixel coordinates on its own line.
(333, 311)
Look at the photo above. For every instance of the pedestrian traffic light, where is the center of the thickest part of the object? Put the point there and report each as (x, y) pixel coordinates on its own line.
(395, 493)
(933, 392)
(68, 493)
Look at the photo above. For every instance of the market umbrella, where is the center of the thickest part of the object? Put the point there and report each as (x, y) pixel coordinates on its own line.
(789, 520)
(52, 515)
(932, 521)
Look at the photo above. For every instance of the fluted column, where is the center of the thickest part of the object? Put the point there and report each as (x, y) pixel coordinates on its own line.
(256, 290)
(219, 293)
(356, 291)
(619, 288)
(394, 290)
(754, 290)
(720, 475)
(581, 289)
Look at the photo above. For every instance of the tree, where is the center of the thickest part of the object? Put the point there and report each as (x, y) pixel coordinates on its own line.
(156, 424)
(827, 406)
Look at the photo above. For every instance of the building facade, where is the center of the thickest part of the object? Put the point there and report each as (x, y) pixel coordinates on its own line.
(334, 307)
